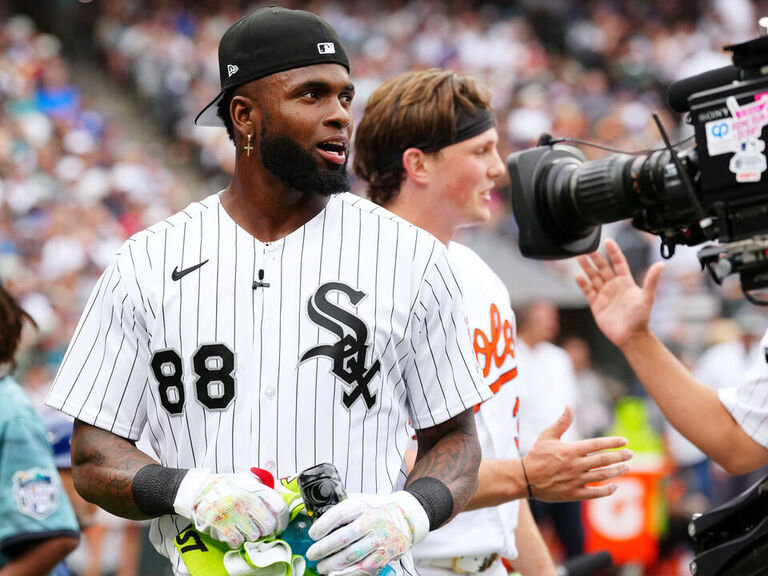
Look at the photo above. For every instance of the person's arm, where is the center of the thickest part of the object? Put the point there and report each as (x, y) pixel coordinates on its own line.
(104, 466)
(110, 471)
(446, 465)
(40, 558)
(622, 310)
(533, 557)
(558, 471)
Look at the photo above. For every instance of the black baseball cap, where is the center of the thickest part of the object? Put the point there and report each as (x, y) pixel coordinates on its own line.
(271, 40)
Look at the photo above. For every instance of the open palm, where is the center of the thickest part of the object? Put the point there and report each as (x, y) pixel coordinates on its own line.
(620, 307)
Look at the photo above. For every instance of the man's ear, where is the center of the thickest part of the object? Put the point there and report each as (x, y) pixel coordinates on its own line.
(246, 117)
(417, 165)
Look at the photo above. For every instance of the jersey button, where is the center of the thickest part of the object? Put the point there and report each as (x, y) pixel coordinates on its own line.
(269, 325)
(269, 393)
(270, 466)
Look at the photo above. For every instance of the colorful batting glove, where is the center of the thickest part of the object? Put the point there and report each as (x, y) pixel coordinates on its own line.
(360, 535)
(232, 508)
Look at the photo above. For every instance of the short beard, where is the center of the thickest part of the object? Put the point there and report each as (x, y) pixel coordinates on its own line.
(297, 168)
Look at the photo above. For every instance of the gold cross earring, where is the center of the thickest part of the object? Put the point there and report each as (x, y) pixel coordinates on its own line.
(248, 146)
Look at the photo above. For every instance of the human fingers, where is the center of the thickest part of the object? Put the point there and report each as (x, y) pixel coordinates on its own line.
(605, 473)
(342, 513)
(604, 269)
(592, 445)
(593, 492)
(593, 276)
(617, 258)
(559, 426)
(586, 287)
(605, 459)
(230, 535)
(335, 541)
(275, 514)
(652, 276)
(348, 556)
(262, 520)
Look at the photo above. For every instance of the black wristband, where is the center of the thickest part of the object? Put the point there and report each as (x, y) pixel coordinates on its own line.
(435, 498)
(154, 489)
(527, 482)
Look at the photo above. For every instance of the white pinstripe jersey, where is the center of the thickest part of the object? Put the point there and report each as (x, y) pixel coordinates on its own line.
(748, 401)
(492, 327)
(360, 329)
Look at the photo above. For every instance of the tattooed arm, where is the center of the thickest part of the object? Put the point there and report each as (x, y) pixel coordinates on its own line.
(449, 453)
(103, 468)
(111, 472)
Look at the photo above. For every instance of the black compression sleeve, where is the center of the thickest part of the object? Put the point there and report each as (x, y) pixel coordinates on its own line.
(435, 498)
(154, 489)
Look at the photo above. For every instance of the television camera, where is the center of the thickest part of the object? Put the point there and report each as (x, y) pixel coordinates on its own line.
(715, 191)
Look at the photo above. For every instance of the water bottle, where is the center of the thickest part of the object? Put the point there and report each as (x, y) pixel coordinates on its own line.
(321, 488)
(296, 534)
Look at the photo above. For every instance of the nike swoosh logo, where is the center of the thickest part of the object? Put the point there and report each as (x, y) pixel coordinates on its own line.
(179, 274)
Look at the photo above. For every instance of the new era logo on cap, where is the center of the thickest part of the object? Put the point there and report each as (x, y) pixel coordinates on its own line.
(231, 69)
(326, 48)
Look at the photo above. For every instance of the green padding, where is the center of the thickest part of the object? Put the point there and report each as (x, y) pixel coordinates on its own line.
(204, 556)
(201, 554)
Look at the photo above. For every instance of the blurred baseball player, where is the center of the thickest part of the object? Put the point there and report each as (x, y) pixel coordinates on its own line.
(38, 528)
(280, 323)
(435, 165)
(730, 425)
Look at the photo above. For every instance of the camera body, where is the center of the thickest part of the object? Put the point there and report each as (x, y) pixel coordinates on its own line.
(715, 190)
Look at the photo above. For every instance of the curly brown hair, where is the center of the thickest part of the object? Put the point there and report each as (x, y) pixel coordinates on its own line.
(406, 111)
(12, 318)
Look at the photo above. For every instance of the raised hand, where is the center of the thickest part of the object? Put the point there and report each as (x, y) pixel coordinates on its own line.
(620, 307)
(561, 471)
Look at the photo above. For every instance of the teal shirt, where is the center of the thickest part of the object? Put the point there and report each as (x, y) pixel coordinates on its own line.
(33, 503)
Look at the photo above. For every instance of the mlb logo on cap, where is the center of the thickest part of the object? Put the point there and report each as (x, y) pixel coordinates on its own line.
(326, 48)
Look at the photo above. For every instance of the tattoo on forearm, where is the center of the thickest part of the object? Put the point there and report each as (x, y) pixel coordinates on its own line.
(448, 459)
(451, 454)
(104, 466)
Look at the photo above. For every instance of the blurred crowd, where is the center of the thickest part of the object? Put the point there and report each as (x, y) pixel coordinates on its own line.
(592, 70)
(73, 187)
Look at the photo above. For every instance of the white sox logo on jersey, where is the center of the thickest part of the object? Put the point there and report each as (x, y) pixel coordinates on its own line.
(349, 353)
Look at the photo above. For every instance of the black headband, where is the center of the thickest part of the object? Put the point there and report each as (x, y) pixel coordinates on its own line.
(469, 123)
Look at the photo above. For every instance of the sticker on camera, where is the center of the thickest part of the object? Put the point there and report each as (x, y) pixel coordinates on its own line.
(36, 493)
(748, 163)
(740, 135)
(720, 137)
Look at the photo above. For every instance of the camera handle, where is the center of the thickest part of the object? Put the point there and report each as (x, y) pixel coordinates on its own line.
(705, 222)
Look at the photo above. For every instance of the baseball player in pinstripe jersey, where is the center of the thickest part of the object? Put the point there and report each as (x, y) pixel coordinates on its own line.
(730, 425)
(280, 323)
(435, 166)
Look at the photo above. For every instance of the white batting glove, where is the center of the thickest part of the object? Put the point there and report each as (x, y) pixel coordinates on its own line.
(361, 534)
(232, 508)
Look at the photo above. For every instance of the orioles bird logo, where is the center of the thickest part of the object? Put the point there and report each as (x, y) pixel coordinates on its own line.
(350, 351)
